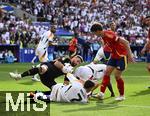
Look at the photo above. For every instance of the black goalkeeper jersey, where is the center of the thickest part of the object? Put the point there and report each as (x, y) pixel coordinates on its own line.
(48, 78)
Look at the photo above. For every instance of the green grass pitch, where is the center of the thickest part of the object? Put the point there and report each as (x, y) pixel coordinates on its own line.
(137, 102)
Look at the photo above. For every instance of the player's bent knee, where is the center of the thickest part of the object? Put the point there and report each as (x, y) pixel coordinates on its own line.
(117, 76)
(108, 73)
(43, 69)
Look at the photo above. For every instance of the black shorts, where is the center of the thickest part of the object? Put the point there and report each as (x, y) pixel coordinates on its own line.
(48, 78)
(120, 64)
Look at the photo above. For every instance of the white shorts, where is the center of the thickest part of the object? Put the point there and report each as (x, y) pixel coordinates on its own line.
(42, 54)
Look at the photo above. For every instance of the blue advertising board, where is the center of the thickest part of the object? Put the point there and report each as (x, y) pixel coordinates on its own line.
(27, 54)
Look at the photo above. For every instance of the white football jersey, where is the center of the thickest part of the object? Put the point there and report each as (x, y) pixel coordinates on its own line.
(42, 48)
(100, 54)
(45, 39)
(90, 72)
(73, 92)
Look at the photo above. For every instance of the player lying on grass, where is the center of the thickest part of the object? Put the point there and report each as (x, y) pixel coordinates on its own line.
(48, 71)
(92, 72)
(74, 92)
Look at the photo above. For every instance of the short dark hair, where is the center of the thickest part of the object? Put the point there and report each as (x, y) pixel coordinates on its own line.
(96, 27)
(80, 57)
(89, 84)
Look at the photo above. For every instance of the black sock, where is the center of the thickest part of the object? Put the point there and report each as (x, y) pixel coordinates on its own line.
(30, 72)
(46, 92)
(110, 88)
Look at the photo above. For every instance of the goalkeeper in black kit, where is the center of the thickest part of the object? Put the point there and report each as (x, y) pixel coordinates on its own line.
(48, 71)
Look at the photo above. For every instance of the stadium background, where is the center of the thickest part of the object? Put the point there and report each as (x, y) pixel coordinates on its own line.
(24, 20)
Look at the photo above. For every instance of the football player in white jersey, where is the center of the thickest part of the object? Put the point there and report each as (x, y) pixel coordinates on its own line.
(74, 92)
(45, 41)
(42, 48)
(92, 72)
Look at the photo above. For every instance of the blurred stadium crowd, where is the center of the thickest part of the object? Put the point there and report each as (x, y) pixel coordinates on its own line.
(75, 16)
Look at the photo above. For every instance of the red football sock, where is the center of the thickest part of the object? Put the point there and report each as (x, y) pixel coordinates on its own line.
(105, 82)
(120, 85)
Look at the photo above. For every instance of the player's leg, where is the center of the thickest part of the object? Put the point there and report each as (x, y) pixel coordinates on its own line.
(106, 80)
(37, 70)
(43, 57)
(111, 89)
(29, 72)
(36, 76)
(121, 66)
(120, 84)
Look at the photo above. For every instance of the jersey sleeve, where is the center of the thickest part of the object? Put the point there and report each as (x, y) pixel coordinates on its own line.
(71, 77)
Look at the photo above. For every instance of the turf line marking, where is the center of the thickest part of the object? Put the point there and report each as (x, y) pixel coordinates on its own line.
(135, 106)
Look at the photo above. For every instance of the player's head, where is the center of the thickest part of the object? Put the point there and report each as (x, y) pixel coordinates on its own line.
(97, 28)
(76, 60)
(112, 25)
(88, 85)
(53, 29)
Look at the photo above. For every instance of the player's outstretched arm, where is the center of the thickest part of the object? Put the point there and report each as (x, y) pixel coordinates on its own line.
(67, 68)
(71, 77)
(126, 43)
(97, 84)
(99, 55)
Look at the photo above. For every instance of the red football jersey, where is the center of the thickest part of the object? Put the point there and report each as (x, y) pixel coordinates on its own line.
(107, 48)
(117, 49)
(73, 45)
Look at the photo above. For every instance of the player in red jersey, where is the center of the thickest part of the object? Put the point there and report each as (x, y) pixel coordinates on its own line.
(146, 48)
(103, 53)
(73, 47)
(118, 60)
